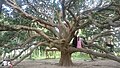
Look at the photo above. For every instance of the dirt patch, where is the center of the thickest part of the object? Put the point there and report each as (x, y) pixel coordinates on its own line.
(52, 63)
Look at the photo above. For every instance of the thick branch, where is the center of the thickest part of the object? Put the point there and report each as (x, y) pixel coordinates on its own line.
(24, 14)
(19, 27)
(88, 51)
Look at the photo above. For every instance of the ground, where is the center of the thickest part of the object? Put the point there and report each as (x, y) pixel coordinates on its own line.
(52, 63)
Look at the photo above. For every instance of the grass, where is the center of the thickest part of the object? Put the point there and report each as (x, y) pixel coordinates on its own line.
(80, 56)
(75, 56)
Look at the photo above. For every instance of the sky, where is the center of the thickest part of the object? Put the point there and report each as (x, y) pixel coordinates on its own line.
(89, 3)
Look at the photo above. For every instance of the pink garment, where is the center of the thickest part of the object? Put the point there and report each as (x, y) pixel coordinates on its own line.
(79, 43)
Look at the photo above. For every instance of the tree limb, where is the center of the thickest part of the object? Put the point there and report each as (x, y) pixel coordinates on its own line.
(88, 51)
(39, 44)
(105, 33)
(20, 27)
(24, 14)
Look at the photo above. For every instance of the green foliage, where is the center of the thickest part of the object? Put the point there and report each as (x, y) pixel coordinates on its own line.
(10, 37)
(1, 51)
(7, 50)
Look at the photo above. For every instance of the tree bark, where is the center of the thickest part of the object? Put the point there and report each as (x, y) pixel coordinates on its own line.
(65, 59)
(97, 54)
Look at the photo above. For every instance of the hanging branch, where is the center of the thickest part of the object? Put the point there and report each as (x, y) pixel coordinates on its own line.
(32, 49)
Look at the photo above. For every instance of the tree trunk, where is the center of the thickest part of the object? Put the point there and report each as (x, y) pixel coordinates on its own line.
(65, 59)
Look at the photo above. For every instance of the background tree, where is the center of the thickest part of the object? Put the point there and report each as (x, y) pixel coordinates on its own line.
(56, 22)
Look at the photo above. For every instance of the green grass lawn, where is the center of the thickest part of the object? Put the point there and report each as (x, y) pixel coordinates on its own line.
(75, 56)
